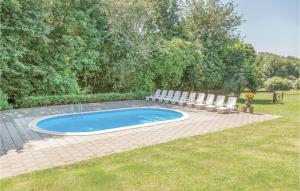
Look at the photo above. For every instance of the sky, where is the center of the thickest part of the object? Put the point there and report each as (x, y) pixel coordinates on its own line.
(271, 25)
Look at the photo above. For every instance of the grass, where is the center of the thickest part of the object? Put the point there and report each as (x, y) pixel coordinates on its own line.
(261, 156)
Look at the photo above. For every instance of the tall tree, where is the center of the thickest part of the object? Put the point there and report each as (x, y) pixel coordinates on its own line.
(168, 21)
(24, 37)
(212, 27)
(77, 37)
(241, 68)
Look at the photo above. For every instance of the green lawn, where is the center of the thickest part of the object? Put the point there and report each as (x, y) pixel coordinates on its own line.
(262, 156)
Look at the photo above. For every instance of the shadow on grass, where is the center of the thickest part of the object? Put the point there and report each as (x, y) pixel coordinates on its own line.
(260, 101)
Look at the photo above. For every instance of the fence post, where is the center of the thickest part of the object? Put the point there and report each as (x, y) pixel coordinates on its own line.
(274, 97)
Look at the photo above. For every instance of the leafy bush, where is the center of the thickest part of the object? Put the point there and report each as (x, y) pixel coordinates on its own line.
(4, 101)
(69, 99)
(241, 68)
(276, 83)
(174, 57)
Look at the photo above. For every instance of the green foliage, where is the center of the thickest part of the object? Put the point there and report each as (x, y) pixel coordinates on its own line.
(87, 47)
(274, 65)
(31, 59)
(276, 83)
(168, 18)
(23, 34)
(241, 68)
(173, 58)
(211, 26)
(68, 99)
(4, 101)
(77, 38)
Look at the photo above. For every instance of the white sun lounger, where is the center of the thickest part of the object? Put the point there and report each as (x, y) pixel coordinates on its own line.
(218, 103)
(169, 96)
(163, 96)
(183, 99)
(153, 96)
(209, 100)
(175, 98)
(230, 106)
(191, 99)
(199, 100)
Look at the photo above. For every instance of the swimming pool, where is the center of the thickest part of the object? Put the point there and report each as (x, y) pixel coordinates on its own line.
(88, 123)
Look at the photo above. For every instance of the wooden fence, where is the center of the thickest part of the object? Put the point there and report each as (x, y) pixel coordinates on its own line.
(277, 96)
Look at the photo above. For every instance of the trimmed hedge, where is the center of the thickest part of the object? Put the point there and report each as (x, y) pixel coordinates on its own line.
(70, 99)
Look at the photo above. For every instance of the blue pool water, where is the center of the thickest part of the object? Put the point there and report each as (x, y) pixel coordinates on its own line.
(97, 121)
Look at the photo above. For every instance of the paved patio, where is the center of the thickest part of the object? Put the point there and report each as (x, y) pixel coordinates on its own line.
(23, 150)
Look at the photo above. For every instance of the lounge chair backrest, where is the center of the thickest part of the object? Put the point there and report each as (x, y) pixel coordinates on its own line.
(170, 94)
(231, 102)
(164, 93)
(210, 99)
(192, 97)
(200, 97)
(220, 100)
(157, 92)
(177, 95)
(184, 96)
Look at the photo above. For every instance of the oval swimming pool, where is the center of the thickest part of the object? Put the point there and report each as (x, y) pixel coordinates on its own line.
(88, 123)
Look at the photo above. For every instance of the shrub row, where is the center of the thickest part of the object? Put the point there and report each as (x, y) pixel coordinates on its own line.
(69, 99)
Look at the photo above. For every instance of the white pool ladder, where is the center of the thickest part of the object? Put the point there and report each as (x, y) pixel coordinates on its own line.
(76, 108)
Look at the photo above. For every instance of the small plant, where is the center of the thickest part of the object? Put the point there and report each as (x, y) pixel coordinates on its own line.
(248, 102)
(249, 95)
